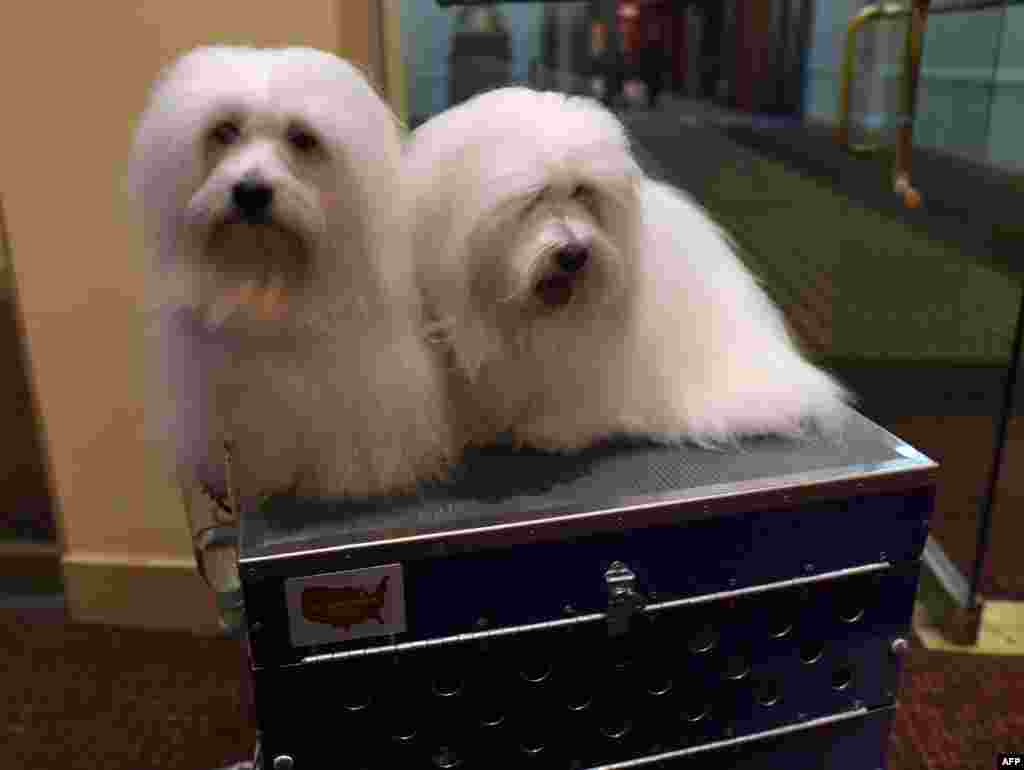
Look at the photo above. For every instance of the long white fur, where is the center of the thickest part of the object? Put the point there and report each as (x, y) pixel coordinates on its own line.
(340, 396)
(667, 335)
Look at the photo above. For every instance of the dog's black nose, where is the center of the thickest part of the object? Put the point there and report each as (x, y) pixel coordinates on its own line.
(572, 257)
(252, 197)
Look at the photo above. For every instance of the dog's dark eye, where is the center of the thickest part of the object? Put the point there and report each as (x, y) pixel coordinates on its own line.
(302, 139)
(225, 133)
(581, 191)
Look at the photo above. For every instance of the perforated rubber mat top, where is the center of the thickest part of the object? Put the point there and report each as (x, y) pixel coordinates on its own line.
(498, 485)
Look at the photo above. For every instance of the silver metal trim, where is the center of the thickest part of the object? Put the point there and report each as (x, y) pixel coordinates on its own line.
(773, 733)
(594, 617)
(778, 585)
(442, 641)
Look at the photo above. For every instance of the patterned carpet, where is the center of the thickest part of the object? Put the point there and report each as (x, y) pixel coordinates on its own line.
(79, 697)
(957, 712)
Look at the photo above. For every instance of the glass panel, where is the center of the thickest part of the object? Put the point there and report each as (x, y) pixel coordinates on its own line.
(913, 307)
(1007, 100)
(959, 82)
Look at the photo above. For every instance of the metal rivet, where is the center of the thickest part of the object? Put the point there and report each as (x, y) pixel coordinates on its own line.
(899, 646)
(283, 762)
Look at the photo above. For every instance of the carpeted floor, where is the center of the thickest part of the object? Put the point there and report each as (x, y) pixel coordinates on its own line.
(958, 712)
(78, 697)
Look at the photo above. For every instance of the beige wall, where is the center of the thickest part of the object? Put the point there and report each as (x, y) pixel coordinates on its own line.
(73, 77)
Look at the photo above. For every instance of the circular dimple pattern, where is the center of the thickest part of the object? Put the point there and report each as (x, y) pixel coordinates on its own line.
(842, 678)
(811, 652)
(679, 677)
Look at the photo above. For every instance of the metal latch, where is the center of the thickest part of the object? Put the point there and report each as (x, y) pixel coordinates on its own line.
(624, 601)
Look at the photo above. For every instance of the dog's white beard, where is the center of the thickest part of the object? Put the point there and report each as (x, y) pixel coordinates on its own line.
(254, 251)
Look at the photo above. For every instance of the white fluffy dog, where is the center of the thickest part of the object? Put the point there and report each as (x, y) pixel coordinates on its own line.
(287, 317)
(583, 300)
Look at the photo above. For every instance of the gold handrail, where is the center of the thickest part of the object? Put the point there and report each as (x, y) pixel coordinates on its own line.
(917, 10)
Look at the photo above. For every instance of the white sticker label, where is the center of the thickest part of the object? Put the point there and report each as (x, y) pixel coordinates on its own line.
(341, 606)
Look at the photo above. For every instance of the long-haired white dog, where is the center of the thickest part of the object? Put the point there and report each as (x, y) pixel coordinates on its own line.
(581, 299)
(286, 317)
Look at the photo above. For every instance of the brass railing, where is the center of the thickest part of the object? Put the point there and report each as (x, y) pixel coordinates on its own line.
(917, 11)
